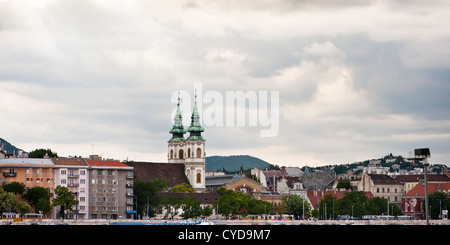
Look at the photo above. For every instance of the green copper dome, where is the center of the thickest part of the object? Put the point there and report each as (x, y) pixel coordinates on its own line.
(195, 129)
(178, 130)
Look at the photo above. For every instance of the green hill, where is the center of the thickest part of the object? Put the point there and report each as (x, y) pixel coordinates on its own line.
(234, 163)
(8, 147)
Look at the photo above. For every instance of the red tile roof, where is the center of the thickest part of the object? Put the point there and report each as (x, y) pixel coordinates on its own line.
(419, 189)
(106, 164)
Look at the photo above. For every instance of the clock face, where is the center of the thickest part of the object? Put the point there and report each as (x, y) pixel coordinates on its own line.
(171, 143)
(199, 142)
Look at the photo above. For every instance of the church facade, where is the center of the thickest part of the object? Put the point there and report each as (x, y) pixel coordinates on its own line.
(189, 151)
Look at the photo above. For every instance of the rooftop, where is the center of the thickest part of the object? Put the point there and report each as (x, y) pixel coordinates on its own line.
(149, 171)
(27, 162)
(70, 162)
(106, 164)
(419, 189)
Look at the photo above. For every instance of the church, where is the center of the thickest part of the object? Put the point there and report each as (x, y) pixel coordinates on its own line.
(189, 151)
(186, 156)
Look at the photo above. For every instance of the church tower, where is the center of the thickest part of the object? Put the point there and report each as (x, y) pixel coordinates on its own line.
(176, 152)
(190, 151)
(195, 165)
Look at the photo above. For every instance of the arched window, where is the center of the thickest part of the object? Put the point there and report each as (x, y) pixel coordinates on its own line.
(199, 153)
(171, 154)
(199, 178)
(189, 152)
(181, 154)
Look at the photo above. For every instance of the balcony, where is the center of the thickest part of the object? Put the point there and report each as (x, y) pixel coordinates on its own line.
(73, 175)
(73, 184)
(9, 174)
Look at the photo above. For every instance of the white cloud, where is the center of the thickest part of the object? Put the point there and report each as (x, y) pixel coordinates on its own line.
(325, 50)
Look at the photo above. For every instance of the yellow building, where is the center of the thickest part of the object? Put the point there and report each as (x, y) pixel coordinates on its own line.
(33, 172)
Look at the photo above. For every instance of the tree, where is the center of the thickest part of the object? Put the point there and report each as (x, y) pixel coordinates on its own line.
(326, 207)
(14, 187)
(191, 208)
(231, 202)
(34, 194)
(41, 153)
(146, 195)
(344, 184)
(172, 204)
(206, 211)
(7, 201)
(438, 202)
(43, 205)
(183, 188)
(295, 204)
(64, 199)
(23, 207)
(259, 207)
(353, 203)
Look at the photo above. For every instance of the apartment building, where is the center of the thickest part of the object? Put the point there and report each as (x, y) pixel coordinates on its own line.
(33, 172)
(111, 190)
(73, 173)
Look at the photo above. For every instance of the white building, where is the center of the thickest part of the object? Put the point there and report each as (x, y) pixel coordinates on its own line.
(73, 173)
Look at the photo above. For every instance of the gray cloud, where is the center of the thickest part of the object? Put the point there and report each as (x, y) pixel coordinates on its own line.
(356, 80)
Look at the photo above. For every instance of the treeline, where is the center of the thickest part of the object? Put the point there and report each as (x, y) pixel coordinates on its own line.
(37, 198)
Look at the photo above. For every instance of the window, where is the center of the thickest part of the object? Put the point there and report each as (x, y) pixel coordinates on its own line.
(82, 172)
(199, 178)
(199, 153)
(63, 181)
(181, 154)
(63, 172)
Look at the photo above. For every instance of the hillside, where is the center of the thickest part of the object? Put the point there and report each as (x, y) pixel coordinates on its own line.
(234, 163)
(8, 147)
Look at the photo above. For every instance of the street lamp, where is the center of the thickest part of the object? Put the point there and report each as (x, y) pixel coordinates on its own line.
(423, 154)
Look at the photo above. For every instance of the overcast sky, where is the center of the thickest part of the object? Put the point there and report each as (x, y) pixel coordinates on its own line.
(356, 79)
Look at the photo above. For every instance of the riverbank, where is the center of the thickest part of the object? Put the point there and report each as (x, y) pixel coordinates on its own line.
(226, 222)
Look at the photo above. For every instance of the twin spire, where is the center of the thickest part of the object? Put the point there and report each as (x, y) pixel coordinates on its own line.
(194, 129)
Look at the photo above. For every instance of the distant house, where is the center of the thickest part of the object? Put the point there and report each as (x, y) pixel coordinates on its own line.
(411, 180)
(412, 201)
(214, 183)
(381, 185)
